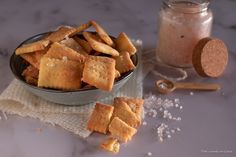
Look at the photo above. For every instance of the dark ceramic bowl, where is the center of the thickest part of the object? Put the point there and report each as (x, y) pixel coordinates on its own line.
(76, 97)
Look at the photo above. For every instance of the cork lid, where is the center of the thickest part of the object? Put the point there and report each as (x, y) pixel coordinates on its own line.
(210, 57)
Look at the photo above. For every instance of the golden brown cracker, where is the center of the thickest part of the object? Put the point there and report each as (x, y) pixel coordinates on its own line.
(111, 145)
(99, 72)
(61, 33)
(84, 44)
(123, 43)
(71, 43)
(31, 75)
(34, 57)
(135, 104)
(32, 47)
(124, 62)
(60, 51)
(102, 33)
(99, 46)
(60, 74)
(117, 74)
(124, 112)
(121, 130)
(81, 28)
(100, 118)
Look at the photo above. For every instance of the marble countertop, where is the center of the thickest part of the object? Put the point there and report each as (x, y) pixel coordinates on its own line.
(208, 118)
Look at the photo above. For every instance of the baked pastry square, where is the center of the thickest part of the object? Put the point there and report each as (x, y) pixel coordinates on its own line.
(124, 62)
(135, 104)
(32, 47)
(71, 43)
(111, 145)
(100, 118)
(61, 51)
(124, 112)
(123, 43)
(121, 130)
(31, 75)
(34, 57)
(61, 33)
(60, 74)
(99, 72)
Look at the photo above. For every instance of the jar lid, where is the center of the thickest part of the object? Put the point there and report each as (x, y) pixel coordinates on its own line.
(210, 57)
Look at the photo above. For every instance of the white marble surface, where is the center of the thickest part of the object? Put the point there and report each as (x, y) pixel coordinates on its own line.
(208, 119)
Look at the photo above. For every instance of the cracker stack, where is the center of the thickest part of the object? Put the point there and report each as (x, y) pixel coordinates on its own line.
(120, 119)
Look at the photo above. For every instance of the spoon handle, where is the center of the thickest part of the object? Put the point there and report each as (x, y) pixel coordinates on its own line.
(197, 86)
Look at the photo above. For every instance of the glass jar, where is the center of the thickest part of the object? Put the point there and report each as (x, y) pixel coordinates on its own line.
(182, 24)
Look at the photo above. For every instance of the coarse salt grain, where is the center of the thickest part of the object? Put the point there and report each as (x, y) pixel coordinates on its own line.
(144, 123)
(176, 100)
(50, 64)
(149, 154)
(64, 58)
(172, 131)
(191, 93)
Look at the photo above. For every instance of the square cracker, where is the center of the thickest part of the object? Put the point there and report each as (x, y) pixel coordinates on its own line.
(61, 33)
(121, 130)
(100, 118)
(123, 43)
(84, 44)
(99, 72)
(31, 75)
(71, 43)
(32, 47)
(60, 74)
(135, 104)
(99, 46)
(124, 112)
(34, 57)
(124, 62)
(111, 144)
(60, 51)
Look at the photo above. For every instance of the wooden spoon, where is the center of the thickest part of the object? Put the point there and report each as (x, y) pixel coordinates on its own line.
(166, 86)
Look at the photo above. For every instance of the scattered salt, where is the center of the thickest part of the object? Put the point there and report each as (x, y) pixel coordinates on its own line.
(191, 93)
(160, 108)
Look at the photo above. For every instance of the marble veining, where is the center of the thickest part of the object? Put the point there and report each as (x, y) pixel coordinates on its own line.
(208, 118)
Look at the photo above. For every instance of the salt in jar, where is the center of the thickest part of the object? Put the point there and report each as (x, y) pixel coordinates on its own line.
(182, 24)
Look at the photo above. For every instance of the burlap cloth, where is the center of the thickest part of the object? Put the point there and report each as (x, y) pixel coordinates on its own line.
(15, 99)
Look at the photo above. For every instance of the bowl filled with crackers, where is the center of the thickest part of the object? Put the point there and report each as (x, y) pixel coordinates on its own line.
(74, 66)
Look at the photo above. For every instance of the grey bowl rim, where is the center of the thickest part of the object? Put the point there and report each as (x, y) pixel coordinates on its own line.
(36, 37)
